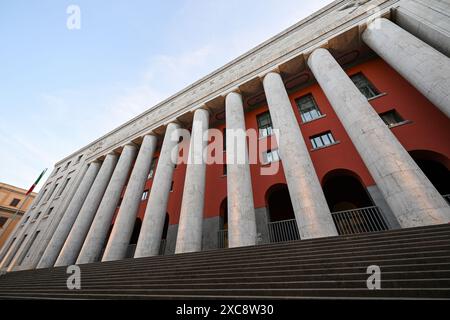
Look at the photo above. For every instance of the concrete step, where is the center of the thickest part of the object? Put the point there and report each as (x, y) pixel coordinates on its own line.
(241, 294)
(385, 236)
(409, 236)
(415, 263)
(405, 279)
(139, 264)
(400, 270)
(365, 259)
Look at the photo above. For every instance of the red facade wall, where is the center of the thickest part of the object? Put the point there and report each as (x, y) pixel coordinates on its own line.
(428, 130)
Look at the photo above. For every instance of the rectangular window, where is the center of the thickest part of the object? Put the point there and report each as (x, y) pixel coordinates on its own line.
(26, 220)
(144, 195)
(152, 168)
(264, 124)
(14, 202)
(49, 212)
(29, 245)
(51, 193)
(67, 165)
(271, 156)
(3, 221)
(37, 216)
(308, 108)
(391, 118)
(366, 88)
(56, 171)
(322, 140)
(42, 195)
(79, 158)
(63, 187)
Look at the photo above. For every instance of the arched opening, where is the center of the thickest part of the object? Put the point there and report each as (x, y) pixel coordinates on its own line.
(344, 191)
(279, 203)
(223, 224)
(436, 167)
(353, 210)
(282, 224)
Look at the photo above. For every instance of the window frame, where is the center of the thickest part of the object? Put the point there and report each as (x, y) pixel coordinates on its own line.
(145, 194)
(265, 130)
(371, 87)
(315, 108)
(13, 203)
(328, 134)
(396, 117)
(151, 172)
(270, 154)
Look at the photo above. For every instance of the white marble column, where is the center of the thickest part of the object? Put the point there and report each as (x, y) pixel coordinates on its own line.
(119, 239)
(310, 206)
(98, 232)
(411, 196)
(241, 210)
(189, 238)
(68, 194)
(80, 228)
(51, 253)
(155, 213)
(427, 69)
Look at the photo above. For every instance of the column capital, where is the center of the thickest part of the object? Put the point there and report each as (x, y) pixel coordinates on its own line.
(96, 161)
(175, 122)
(132, 144)
(273, 70)
(235, 90)
(315, 52)
(204, 107)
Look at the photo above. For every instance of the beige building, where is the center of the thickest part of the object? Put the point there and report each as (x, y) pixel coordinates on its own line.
(11, 199)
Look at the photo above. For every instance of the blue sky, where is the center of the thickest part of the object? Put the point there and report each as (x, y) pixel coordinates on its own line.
(60, 89)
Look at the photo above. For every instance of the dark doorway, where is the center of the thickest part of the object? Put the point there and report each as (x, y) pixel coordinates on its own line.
(282, 224)
(352, 208)
(279, 203)
(162, 246)
(136, 231)
(223, 225)
(224, 214)
(166, 227)
(434, 166)
(344, 191)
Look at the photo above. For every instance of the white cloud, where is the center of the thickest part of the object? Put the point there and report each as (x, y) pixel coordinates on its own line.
(69, 119)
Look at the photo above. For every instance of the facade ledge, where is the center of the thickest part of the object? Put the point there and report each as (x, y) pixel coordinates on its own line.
(399, 124)
(269, 163)
(323, 147)
(377, 96)
(312, 120)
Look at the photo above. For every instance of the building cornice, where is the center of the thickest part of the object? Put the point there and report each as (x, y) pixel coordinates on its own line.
(16, 190)
(300, 38)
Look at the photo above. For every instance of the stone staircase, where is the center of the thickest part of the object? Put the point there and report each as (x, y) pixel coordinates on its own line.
(414, 263)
